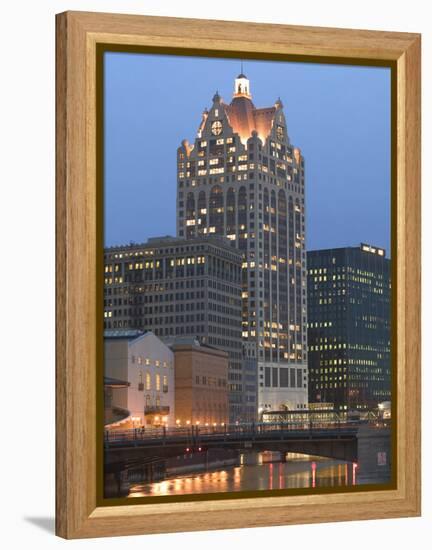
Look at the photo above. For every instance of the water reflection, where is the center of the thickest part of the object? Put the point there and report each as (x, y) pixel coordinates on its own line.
(256, 472)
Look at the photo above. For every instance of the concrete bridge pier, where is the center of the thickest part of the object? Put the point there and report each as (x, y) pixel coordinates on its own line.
(373, 454)
(250, 458)
(116, 484)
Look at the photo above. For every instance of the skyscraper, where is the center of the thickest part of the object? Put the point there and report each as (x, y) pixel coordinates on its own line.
(349, 326)
(243, 179)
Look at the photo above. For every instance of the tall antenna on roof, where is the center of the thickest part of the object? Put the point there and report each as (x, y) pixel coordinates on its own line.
(241, 65)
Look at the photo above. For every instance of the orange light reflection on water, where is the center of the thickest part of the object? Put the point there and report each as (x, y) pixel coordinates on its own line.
(254, 475)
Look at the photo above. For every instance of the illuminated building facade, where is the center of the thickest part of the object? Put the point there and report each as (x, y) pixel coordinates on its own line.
(349, 326)
(147, 364)
(201, 383)
(244, 180)
(176, 287)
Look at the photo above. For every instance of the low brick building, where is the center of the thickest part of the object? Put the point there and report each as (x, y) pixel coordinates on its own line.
(201, 383)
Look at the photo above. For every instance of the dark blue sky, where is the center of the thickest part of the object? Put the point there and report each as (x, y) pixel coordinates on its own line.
(339, 117)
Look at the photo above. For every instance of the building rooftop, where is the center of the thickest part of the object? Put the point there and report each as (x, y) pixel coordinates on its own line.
(245, 118)
(168, 240)
(115, 382)
(119, 333)
(363, 247)
(186, 342)
(163, 239)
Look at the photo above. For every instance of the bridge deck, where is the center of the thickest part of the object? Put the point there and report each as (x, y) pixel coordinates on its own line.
(231, 434)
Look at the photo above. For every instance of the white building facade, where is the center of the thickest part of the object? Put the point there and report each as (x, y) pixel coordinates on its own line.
(147, 364)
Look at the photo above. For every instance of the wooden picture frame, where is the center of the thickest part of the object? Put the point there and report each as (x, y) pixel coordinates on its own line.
(79, 249)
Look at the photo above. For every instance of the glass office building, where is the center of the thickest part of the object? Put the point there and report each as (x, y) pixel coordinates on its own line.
(349, 315)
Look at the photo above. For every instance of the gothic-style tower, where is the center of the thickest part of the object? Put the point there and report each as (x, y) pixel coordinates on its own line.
(243, 179)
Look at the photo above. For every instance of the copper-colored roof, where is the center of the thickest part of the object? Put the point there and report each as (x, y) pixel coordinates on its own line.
(264, 120)
(245, 118)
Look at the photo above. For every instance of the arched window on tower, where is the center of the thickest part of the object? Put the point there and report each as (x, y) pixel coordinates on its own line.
(216, 211)
(190, 216)
(202, 212)
(242, 218)
(231, 215)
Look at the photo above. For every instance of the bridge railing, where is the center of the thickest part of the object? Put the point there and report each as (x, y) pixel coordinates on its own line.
(190, 434)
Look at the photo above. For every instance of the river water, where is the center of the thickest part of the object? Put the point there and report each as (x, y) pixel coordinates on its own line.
(299, 471)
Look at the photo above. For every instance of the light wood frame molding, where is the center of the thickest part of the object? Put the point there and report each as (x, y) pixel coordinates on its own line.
(77, 511)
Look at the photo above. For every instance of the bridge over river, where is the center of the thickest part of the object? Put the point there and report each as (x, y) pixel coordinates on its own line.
(368, 444)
